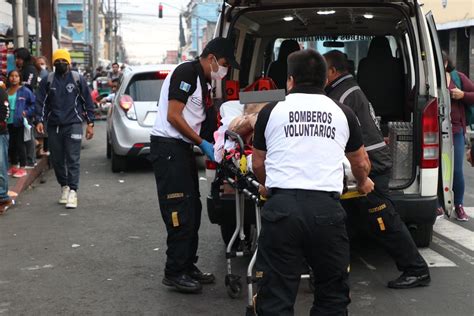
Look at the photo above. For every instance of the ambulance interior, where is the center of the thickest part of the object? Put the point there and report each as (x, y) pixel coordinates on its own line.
(379, 44)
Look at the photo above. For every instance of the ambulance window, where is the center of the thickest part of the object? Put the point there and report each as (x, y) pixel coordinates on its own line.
(247, 53)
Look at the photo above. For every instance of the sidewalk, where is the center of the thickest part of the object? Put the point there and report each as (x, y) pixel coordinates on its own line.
(16, 186)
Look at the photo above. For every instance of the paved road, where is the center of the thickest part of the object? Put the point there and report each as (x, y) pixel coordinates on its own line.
(107, 256)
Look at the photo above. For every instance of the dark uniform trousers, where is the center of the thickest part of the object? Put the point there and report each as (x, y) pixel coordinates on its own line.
(176, 175)
(386, 226)
(299, 227)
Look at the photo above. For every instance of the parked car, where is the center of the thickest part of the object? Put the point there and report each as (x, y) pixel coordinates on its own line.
(133, 112)
(413, 105)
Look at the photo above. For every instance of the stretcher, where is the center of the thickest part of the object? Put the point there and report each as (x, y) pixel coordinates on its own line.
(234, 169)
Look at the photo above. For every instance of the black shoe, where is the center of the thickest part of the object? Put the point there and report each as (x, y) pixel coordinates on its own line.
(203, 278)
(183, 283)
(407, 281)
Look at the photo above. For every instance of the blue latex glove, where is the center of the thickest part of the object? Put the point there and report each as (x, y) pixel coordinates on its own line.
(208, 149)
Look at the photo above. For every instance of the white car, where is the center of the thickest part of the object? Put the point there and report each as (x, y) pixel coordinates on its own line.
(132, 114)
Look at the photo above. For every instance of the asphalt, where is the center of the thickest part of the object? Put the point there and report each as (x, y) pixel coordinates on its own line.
(107, 256)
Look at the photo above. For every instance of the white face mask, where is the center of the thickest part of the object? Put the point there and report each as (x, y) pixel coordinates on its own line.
(43, 67)
(220, 73)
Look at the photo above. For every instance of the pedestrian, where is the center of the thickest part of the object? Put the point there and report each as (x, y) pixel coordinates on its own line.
(42, 149)
(461, 90)
(393, 235)
(303, 220)
(42, 63)
(5, 200)
(25, 63)
(64, 104)
(115, 73)
(22, 108)
(182, 109)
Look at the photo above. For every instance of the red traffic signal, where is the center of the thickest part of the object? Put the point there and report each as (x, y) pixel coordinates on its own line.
(160, 11)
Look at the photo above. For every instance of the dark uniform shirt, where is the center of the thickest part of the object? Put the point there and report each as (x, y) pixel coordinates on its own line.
(345, 90)
(187, 84)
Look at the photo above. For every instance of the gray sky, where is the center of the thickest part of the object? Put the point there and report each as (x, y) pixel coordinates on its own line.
(145, 36)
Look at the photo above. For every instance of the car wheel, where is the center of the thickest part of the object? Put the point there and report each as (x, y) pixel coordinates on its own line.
(108, 150)
(119, 163)
(422, 235)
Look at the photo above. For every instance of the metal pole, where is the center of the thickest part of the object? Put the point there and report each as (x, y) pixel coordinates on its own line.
(26, 37)
(197, 36)
(37, 31)
(18, 24)
(95, 26)
(115, 32)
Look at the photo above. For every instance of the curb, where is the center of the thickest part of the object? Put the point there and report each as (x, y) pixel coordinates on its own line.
(33, 174)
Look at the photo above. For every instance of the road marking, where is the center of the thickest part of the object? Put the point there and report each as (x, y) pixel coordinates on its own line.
(456, 233)
(456, 251)
(434, 259)
(37, 267)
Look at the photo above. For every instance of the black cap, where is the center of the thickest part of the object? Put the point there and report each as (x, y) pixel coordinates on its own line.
(223, 48)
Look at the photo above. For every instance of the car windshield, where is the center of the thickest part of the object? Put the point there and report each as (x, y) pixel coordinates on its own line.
(145, 87)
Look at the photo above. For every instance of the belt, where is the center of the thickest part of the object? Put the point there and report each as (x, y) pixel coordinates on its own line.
(169, 140)
(274, 191)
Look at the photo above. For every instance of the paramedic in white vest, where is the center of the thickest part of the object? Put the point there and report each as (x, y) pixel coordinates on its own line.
(377, 210)
(64, 104)
(299, 148)
(181, 112)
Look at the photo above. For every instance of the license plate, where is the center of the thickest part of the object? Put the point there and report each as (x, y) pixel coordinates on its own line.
(150, 118)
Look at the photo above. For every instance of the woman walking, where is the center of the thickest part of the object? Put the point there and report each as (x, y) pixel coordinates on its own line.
(22, 103)
(461, 90)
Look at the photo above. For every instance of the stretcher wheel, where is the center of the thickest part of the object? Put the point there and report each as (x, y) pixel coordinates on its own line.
(233, 285)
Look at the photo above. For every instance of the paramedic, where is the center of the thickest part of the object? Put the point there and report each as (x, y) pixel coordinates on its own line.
(383, 220)
(303, 219)
(181, 113)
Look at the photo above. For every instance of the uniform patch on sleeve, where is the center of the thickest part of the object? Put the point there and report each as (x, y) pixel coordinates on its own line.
(184, 86)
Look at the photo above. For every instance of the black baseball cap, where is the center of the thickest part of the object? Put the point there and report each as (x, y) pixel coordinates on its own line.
(223, 48)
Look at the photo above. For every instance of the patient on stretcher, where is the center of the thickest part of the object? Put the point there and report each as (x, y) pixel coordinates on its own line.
(237, 118)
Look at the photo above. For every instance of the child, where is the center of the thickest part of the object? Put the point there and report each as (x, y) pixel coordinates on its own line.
(22, 103)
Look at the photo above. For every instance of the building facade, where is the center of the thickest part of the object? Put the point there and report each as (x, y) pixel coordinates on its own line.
(455, 24)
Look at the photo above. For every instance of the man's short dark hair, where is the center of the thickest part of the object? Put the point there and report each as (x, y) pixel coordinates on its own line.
(115, 64)
(338, 60)
(116, 80)
(307, 67)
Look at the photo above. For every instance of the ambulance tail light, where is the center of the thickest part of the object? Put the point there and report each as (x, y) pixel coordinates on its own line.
(430, 136)
(127, 105)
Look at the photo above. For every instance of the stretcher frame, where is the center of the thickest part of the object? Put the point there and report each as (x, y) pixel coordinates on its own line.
(245, 186)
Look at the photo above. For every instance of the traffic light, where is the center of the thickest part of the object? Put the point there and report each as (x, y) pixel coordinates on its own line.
(160, 11)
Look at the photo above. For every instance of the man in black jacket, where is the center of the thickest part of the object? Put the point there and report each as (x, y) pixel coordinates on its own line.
(65, 104)
(383, 220)
(5, 200)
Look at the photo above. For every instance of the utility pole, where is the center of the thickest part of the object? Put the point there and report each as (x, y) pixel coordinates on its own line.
(46, 15)
(109, 28)
(95, 27)
(37, 31)
(18, 23)
(115, 33)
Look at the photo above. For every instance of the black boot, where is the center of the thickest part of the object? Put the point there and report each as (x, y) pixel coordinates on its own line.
(203, 278)
(410, 280)
(183, 283)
